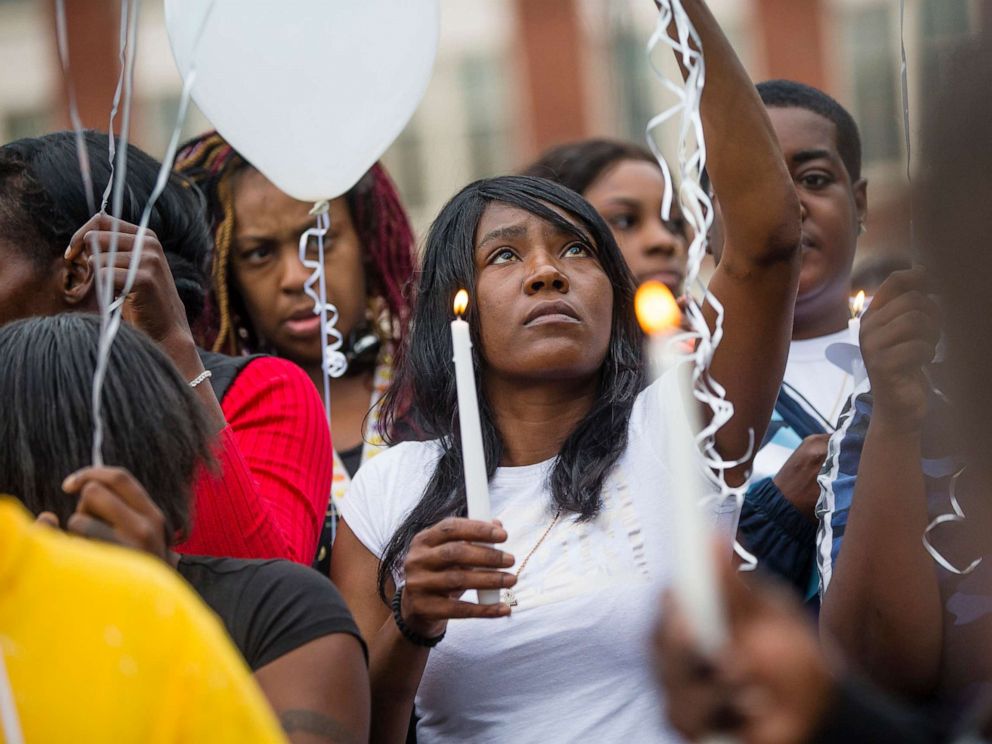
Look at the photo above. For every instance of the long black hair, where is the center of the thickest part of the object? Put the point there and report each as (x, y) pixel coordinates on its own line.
(43, 202)
(154, 425)
(423, 393)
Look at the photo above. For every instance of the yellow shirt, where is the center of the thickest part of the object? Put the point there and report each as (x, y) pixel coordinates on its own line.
(102, 644)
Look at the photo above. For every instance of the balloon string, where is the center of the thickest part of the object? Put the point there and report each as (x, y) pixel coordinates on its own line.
(116, 104)
(333, 361)
(77, 125)
(165, 169)
(105, 279)
(957, 513)
(12, 733)
(114, 311)
(697, 208)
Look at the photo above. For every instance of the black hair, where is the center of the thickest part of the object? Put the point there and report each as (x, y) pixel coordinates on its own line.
(790, 94)
(577, 165)
(424, 387)
(153, 424)
(43, 202)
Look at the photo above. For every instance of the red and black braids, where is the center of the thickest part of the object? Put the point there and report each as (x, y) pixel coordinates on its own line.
(380, 221)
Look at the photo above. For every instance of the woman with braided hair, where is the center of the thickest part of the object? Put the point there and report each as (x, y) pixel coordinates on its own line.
(271, 439)
(258, 301)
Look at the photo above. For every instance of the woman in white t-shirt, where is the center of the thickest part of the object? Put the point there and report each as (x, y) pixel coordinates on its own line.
(575, 452)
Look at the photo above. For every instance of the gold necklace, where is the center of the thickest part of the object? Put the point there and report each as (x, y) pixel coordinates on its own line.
(506, 595)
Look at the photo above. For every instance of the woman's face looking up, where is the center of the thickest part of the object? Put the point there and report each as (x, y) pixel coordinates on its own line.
(545, 304)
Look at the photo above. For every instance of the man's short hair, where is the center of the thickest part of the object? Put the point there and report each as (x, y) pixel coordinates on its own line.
(790, 94)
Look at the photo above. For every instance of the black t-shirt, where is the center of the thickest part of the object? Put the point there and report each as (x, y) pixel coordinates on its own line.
(269, 607)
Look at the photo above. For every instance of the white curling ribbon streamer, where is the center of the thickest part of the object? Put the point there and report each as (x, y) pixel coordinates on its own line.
(697, 209)
(111, 309)
(333, 361)
(115, 189)
(956, 515)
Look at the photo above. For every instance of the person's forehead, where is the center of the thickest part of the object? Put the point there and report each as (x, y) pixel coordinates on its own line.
(507, 219)
(628, 174)
(261, 207)
(802, 130)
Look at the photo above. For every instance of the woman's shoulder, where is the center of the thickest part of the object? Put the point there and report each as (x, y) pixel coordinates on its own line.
(273, 370)
(402, 460)
(386, 489)
(272, 384)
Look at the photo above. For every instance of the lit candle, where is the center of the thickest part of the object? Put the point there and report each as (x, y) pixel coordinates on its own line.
(853, 334)
(854, 324)
(695, 573)
(473, 456)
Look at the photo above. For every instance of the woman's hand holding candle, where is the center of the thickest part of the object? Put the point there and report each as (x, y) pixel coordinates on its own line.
(473, 455)
(443, 563)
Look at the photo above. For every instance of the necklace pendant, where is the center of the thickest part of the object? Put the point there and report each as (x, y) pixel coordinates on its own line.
(506, 596)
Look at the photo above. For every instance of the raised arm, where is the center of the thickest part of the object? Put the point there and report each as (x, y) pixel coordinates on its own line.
(757, 277)
(883, 603)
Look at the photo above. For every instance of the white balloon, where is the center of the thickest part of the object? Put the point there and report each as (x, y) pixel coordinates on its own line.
(312, 92)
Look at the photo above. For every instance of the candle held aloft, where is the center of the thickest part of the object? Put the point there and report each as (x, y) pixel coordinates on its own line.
(695, 572)
(473, 455)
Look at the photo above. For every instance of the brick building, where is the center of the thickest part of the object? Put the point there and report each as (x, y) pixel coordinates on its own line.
(514, 76)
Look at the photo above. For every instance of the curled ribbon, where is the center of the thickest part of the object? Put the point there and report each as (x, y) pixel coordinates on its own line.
(697, 208)
(956, 515)
(111, 309)
(333, 361)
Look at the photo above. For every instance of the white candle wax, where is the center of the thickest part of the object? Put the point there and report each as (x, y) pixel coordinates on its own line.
(695, 582)
(473, 455)
(858, 371)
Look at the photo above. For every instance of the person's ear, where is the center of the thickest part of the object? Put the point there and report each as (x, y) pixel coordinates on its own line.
(76, 278)
(860, 189)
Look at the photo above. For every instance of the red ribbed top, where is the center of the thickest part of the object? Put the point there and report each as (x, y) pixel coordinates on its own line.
(275, 461)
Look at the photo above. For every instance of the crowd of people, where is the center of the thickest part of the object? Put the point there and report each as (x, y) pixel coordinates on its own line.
(243, 569)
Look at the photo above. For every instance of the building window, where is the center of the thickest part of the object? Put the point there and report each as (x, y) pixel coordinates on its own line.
(942, 25)
(870, 35)
(405, 162)
(635, 84)
(484, 97)
(27, 124)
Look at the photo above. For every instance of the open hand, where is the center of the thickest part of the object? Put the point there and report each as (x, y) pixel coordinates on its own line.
(445, 561)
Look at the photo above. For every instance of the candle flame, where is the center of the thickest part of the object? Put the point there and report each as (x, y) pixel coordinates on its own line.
(858, 304)
(656, 308)
(461, 302)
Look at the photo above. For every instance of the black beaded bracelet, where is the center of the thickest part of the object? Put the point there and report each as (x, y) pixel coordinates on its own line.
(415, 638)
